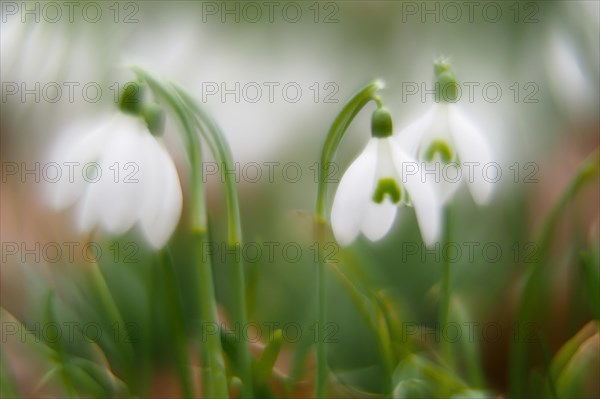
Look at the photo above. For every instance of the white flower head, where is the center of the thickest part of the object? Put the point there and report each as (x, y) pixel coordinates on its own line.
(120, 175)
(444, 137)
(376, 184)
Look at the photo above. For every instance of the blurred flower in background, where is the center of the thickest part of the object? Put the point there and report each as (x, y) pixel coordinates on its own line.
(445, 138)
(120, 174)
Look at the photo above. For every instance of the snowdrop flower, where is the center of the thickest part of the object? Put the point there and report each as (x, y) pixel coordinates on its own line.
(121, 174)
(376, 184)
(451, 148)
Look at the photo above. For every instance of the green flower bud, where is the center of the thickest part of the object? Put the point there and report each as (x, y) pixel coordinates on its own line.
(381, 123)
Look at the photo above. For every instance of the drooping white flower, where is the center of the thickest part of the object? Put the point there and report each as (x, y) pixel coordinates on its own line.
(451, 148)
(380, 180)
(119, 175)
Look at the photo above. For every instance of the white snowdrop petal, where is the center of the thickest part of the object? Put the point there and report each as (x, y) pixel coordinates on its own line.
(154, 184)
(412, 135)
(73, 152)
(116, 197)
(131, 178)
(449, 181)
(378, 219)
(427, 206)
(88, 209)
(353, 194)
(472, 147)
(159, 220)
(427, 209)
(123, 195)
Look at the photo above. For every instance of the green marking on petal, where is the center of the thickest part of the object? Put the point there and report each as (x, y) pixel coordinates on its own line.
(440, 147)
(387, 186)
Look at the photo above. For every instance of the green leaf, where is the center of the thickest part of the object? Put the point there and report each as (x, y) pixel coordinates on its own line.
(412, 388)
(590, 268)
(579, 376)
(166, 277)
(440, 381)
(466, 346)
(268, 357)
(7, 384)
(519, 351)
(472, 394)
(26, 336)
(566, 352)
(565, 355)
(104, 381)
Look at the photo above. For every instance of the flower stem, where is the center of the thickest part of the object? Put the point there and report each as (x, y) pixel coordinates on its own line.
(214, 380)
(321, 384)
(216, 385)
(334, 137)
(219, 148)
(445, 288)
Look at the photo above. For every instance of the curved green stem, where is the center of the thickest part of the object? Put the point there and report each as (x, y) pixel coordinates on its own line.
(215, 386)
(192, 146)
(519, 356)
(334, 137)
(214, 380)
(336, 133)
(220, 149)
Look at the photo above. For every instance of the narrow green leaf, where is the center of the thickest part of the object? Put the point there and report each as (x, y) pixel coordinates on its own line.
(268, 357)
(468, 347)
(579, 377)
(590, 268)
(568, 350)
(8, 388)
(519, 352)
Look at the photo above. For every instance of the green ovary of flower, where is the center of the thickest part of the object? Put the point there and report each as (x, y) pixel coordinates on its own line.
(439, 147)
(446, 85)
(387, 186)
(381, 123)
(132, 98)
